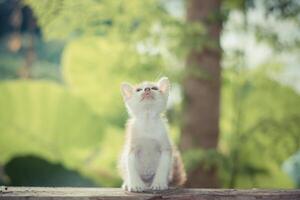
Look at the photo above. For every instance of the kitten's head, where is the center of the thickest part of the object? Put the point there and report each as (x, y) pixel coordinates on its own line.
(147, 96)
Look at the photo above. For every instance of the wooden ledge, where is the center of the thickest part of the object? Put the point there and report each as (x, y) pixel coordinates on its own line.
(43, 193)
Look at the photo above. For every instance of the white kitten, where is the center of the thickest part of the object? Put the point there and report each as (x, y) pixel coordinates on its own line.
(149, 160)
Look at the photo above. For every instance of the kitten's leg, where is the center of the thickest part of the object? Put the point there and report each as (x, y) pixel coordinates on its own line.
(124, 186)
(134, 182)
(160, 181)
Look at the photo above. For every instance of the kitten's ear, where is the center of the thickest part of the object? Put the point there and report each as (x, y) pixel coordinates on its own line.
(164, 84)
(127, 90)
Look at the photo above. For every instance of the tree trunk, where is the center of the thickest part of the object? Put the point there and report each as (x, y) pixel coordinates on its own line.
(202, 93)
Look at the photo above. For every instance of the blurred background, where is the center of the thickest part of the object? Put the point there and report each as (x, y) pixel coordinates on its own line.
(234, 107)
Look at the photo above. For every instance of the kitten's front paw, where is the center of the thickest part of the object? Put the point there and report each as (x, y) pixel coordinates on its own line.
(159, 185)
(124, 186)
(136, 187)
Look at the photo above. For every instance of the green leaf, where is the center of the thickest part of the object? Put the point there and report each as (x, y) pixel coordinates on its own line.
(95, 67)
(42, 118)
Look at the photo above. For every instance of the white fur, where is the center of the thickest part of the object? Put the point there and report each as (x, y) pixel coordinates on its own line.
(147, 158)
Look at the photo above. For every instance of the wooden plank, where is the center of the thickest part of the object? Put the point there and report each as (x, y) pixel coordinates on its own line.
(68, 193)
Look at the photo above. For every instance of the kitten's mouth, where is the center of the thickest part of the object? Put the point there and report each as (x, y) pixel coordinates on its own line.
(147, 96)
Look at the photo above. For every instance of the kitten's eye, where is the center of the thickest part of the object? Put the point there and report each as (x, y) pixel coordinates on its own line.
(138, 89)
(154, 88)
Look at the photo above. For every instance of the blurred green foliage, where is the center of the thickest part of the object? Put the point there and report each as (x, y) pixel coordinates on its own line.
(258, 124)
(76, 115)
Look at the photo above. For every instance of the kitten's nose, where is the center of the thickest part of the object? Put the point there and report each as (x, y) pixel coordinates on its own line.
(147, 89)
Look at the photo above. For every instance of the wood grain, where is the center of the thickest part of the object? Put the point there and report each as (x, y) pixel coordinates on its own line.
(45, 193)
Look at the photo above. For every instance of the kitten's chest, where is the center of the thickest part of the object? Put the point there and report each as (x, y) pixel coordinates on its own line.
(151, 132)
(153, 128)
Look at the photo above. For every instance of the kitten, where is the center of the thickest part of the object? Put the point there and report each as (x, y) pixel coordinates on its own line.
(149, 161)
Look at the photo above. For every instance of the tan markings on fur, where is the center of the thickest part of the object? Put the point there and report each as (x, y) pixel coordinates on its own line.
(178, 172)
(121, 167)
